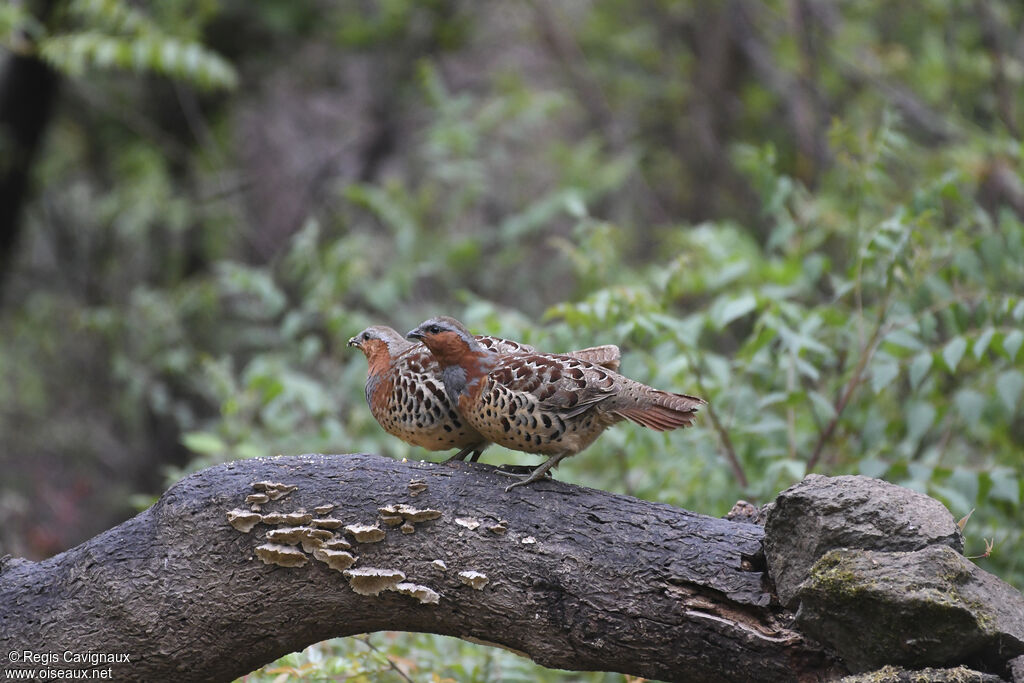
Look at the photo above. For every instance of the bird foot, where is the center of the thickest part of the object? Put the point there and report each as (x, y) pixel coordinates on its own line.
(535, 475)
(515, 470)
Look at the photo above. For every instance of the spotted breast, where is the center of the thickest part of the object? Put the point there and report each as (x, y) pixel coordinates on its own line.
(550, 404)
(406, 394)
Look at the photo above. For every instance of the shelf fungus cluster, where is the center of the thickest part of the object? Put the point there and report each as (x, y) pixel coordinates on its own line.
(299, 534)
(406, 516)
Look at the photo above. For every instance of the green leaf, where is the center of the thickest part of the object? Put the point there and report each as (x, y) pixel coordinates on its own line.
(73, 53)
(967, 482)
(1004, 485)
(575, 206)
(904, 338)
(733, 309)
(873, 467)
(822, 406)
(953, 352)
(1009, 386)
(203, 443)
(969, 404)
(982, 342)
(1012, 342)
(884, 369)
(920, 416)
(919, 368)
(957, 502)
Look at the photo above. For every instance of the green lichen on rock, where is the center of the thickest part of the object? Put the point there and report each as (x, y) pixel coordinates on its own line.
(832, 574)
(930, 607)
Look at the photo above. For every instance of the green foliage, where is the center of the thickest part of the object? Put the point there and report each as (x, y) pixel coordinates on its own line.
(397, 657)
(108, 34)
(856, 308)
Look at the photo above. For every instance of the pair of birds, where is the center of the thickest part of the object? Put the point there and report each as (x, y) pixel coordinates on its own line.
(451, 389)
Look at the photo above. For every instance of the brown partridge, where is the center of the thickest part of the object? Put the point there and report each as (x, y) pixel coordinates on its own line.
(408, 399)
(543, 403)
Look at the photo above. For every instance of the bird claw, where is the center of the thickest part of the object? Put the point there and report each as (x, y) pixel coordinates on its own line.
(535, 475)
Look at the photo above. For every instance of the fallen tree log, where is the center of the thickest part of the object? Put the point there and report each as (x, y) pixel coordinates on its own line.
(239, 564)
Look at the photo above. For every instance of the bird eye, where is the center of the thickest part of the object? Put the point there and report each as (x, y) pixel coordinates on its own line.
(434, 329)
(366, 336)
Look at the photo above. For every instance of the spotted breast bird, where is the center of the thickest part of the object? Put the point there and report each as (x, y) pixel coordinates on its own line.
(407, 397)
(550, 404)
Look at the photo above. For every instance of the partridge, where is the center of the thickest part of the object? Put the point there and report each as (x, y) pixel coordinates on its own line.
(408, 399)
(542, 403)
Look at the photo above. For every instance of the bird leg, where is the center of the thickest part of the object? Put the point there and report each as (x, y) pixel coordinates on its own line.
(475, 449)
(461, 455)
(538, 473)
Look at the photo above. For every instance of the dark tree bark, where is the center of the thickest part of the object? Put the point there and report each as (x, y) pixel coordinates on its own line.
(576, 578)
(573, 578)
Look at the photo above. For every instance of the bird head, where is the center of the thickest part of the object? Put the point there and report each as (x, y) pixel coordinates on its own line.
(447, 339)
(379, 344)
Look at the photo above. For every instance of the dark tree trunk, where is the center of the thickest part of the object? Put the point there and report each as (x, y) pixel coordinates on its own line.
(577, 579)
(28, 89)
(572, 577)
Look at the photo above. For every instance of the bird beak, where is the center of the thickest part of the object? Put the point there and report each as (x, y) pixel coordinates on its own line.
(415, 334)
(353, 341)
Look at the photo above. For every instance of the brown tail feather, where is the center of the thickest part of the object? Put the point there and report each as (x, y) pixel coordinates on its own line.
(664, 412)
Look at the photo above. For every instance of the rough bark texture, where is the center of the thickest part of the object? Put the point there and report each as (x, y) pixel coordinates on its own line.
(572, 577)
(576, 578)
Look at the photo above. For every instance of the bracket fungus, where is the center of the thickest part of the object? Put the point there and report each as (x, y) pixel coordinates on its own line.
(366, 533)
(408, 512)
(281, 555)
(257, 498)
(243, 520)
(327, 522)
(474, 579)
(416, 487)
(467, 522)
(323, 509)
(335, 559)
(274, 490)
(372, 580)
(288, 518)
(391, 519)
(427, 596)
(309, 537)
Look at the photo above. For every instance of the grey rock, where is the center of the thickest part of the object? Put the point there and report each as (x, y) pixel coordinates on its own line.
(1017, 669)
(892, 674)
(821, 513)
(930, 607)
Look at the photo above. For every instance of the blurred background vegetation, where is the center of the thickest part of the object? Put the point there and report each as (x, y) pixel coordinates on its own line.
(810, 213)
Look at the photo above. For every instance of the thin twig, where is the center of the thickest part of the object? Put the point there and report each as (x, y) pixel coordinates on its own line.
(851, 386)
(393, 666)
(723, 433)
